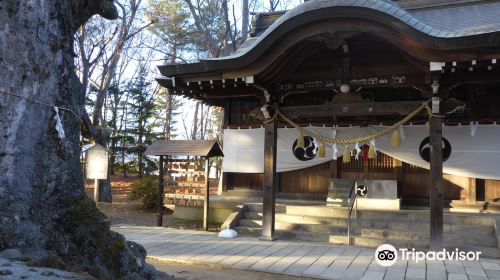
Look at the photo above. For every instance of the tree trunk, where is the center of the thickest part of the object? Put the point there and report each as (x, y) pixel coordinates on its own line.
(125, 169)
(212, 46)
(43, 206)
(244, 20)
(229, 31)
(194, 129)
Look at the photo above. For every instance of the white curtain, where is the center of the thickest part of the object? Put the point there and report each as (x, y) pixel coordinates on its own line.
(471, 156)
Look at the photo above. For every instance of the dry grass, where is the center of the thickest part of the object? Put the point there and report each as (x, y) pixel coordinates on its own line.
(125, 212)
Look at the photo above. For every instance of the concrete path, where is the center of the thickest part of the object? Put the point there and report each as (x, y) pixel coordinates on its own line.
(309, 259)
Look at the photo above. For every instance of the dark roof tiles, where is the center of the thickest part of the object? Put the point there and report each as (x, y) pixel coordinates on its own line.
(210, 148)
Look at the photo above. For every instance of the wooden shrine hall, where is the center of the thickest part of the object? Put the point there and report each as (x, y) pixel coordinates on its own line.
(340, 77)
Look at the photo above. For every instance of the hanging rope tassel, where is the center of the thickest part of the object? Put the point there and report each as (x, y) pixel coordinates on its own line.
(300, 140)
(346, 157)
(395, 138)
(372, 152)
(321, 150)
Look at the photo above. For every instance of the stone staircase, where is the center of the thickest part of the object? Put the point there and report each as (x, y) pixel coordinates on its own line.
(338, 195)
(404, 228)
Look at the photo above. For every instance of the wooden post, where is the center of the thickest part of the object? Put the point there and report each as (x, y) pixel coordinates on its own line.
(398, 174)
(159, 214)
(366, 171)
(96, 190)
(436, 184)
(207, 194)
(269, 188)
(334, 172)
(472, 191)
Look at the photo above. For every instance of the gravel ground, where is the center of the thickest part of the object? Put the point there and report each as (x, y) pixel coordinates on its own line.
(208, 272)
(124, 212)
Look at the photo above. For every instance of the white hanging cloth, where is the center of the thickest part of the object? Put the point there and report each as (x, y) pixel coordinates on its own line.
(471, 156)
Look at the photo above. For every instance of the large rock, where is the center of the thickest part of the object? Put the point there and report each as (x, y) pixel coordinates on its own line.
(10, 269)
(11, 254)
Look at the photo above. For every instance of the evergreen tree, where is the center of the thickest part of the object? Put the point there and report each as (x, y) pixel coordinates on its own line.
(141, 109)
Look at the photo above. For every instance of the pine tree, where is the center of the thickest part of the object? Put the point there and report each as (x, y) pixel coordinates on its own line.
(141, 110)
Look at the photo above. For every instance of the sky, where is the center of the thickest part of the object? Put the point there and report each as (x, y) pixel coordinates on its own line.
(189, 105)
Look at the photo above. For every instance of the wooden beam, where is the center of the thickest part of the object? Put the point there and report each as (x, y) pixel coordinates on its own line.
(269, 188)
(436, 182)
(159, 208)
(207, 194)
(353, 109)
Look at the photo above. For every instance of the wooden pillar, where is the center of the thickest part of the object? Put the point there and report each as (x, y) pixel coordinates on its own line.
(436, 182)
(207, 194)
(480, 190)
(222, 182)
(398, 174)
(472, 191)
(334, 171)
(269, 187)
(366, 171)
(159, 206)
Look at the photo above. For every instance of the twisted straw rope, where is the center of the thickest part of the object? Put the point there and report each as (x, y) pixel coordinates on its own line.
(329, 140)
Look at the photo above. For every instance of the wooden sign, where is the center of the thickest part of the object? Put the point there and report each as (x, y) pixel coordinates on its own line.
(97, 162)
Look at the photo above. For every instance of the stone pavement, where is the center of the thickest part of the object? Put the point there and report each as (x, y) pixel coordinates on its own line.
(316, 260)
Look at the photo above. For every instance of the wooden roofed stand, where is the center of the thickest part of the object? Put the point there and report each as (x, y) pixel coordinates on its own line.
(298, 60)
(187, 178)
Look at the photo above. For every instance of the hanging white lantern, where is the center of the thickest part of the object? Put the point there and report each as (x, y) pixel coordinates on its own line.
(97, 162)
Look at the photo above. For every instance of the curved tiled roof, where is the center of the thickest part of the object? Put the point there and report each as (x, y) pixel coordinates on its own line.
(385, 6)
(476, 18)
(386, 12)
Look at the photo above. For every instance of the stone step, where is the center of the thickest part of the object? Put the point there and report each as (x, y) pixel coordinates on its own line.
(478, 239)
(450, 237)
(336, 200)
(419, 244)
(296, 227)
(374, 224)
(342, 193)
(338, 204)
(402, 215)
(311, 210)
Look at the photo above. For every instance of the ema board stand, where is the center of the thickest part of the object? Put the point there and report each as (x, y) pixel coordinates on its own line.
(201, 150)
(207, 194)
(159, 206)
(97, 166)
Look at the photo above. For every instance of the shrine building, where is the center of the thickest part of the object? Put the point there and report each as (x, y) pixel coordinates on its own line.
(371, 106)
